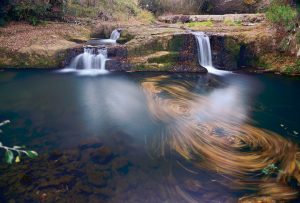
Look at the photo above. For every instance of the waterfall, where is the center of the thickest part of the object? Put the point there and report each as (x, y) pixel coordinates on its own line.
(115, 35)
(90, 62)
(204, 53)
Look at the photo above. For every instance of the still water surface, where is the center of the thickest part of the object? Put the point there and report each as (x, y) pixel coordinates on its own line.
(117, 137)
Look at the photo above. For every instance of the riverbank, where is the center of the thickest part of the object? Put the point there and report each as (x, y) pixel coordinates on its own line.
(238, 42)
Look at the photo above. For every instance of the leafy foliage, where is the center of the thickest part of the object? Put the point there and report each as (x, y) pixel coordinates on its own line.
(3, 12)
(270, 169)
(30, 11)
(281, 14)
(10, 152)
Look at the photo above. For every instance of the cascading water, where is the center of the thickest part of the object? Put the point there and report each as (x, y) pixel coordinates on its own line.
(115, 35)
(90, 62)
(204, 53)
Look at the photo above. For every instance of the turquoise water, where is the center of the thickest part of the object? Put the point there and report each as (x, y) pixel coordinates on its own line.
(92, 134)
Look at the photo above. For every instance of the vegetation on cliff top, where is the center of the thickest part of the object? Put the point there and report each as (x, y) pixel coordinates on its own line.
(35, 11)
(282, 14)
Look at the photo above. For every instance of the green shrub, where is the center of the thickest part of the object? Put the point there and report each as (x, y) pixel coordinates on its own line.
(146, 16)
(3, 12)
(32, 11)
(281, 14)
(29, 11)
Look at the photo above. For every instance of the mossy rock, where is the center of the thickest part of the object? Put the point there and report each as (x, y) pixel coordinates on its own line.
(233, 47)
(171, 57)
(23, 60)
(125, 37)
(176, 43)
(162, 43)
(151, 67)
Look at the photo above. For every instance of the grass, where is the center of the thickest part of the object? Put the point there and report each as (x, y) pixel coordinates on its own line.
(208, 23)
(145, 16)
(165, 59)
(293, 69)
(230, 22)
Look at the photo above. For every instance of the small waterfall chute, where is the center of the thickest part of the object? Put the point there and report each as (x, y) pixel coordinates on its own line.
(114, 36)
(91, 62)
(204, 53)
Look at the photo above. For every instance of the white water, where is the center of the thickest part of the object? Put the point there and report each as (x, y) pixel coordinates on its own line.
(115, 35)
(91, 62)
(204, 53)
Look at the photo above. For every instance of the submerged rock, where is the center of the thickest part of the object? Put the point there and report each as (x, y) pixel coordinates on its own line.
(26, 179)
(102, 155)
(98, 178)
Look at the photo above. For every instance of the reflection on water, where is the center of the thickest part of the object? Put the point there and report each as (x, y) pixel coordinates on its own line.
(136, 137)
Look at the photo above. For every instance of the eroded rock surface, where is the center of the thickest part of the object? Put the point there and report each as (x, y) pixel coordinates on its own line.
(45, 46)
(243, 40)
(245, 18)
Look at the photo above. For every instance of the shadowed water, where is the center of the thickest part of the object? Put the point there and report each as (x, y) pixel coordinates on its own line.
(150, 137)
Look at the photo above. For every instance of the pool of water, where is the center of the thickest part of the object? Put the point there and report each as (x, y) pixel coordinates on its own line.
(145, 137)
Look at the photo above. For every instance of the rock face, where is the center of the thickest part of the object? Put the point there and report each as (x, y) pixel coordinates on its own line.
(223, 56)
(118, 56)
(160, 47)
(170, 53)
(228, 53)
(242, 18)
(174, 53)
(235, 6)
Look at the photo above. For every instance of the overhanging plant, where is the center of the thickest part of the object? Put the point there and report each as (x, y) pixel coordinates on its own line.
(13, 154)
